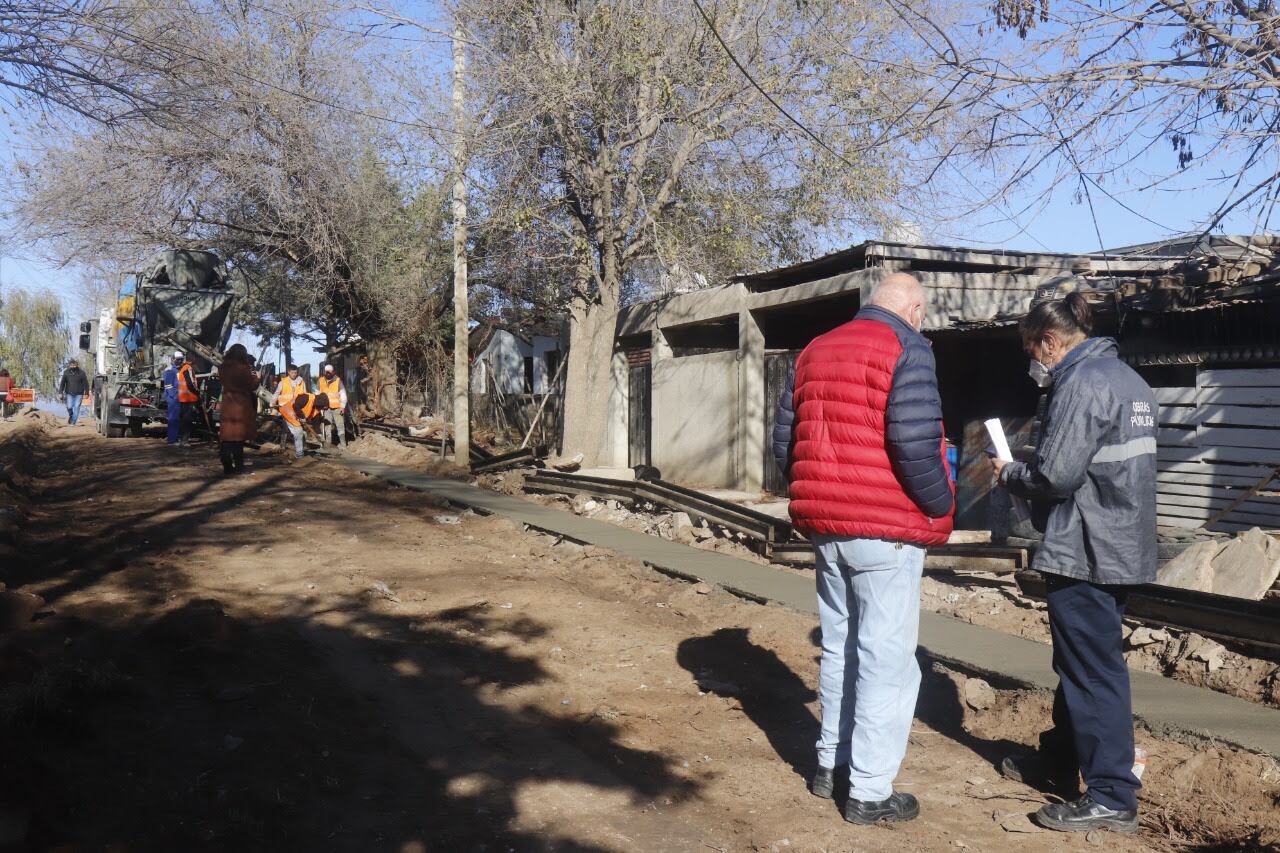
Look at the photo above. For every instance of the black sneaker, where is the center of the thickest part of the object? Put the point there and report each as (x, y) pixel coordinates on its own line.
(1034, 770)
(823, 783)
(898, 808)
(1084, 814)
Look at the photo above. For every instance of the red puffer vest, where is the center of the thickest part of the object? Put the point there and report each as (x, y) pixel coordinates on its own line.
(842, 480)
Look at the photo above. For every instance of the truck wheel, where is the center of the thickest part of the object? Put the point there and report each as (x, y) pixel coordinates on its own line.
(135, 427)
(115, 430)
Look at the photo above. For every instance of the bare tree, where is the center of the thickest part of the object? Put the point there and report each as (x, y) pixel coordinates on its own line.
(628, 141)
(1105, 99)
(111, 61)
(291, 173)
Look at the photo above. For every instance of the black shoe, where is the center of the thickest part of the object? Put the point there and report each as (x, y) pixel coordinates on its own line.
(1084, 814)
(1034, 770)
(823, 783)
(899, 807)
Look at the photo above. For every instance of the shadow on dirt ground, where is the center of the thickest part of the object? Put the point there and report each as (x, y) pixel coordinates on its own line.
(151, 720)
(727, 663)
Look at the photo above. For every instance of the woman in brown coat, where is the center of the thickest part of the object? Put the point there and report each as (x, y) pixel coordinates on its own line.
(239, 409)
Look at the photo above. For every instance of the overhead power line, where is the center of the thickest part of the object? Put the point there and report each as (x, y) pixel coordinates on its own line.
(752, 80)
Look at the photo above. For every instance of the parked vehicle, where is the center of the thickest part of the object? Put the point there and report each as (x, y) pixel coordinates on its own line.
(181, 299)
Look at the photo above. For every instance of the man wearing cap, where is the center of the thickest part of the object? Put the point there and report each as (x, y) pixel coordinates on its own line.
(330, 384)
(188, 400)
(72, 387)
(173, 408)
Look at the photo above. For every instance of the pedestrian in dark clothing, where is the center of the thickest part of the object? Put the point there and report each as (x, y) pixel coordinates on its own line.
(1093, 480)
(239, 422)
(6, 387)
(72, 387)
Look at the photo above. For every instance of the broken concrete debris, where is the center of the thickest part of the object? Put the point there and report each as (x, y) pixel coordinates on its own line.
(1245, 566)
(978, 694)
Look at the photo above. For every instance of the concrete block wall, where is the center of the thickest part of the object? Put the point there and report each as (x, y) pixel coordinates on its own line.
(695, 419)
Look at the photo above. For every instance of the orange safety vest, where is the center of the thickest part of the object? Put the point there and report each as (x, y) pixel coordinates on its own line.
(333, 388)
(187, 385)
(308, 409)
(288, 389)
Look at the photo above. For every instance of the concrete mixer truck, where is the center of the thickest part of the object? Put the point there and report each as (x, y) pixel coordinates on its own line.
(179, 300)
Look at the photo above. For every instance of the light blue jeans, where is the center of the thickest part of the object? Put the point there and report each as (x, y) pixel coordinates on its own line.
(73, 402)
(869, 608)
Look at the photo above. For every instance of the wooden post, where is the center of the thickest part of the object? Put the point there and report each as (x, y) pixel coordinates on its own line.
(461, 356)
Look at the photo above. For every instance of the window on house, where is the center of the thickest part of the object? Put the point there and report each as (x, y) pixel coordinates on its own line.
(528, 374)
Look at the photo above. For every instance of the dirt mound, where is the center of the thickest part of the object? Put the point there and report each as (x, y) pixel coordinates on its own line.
(377, 447)
(1201, 799)
(1184, 655)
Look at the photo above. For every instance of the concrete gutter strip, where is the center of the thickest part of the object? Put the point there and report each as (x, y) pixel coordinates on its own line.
(1166, 706)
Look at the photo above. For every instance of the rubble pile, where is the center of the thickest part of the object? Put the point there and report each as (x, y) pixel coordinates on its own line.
(1245, 566)
(649, 518)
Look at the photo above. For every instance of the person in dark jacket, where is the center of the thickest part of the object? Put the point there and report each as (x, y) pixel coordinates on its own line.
(72, 387)
(859, 436)
(238, 413)
(6, 393)
(1094, 475)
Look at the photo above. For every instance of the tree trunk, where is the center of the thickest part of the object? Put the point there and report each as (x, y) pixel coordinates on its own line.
(589, 382)
(286, 340)
(382, 373)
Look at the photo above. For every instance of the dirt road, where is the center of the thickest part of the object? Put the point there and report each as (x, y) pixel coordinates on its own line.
(303, 659)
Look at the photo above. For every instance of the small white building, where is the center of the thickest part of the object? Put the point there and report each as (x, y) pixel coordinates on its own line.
(511, 362)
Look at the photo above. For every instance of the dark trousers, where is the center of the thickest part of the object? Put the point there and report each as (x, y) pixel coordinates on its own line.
(186, 419)
(1092, 710)
(232, 455)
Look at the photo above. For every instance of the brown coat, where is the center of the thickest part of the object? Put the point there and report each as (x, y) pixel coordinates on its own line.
(239, 409)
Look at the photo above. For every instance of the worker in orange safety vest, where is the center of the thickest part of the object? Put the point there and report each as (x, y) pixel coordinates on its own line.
(291, 385)
(335, 417)
(305, 408)
(188, 399)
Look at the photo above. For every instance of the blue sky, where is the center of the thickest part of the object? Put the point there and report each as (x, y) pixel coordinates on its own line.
(1063, 224)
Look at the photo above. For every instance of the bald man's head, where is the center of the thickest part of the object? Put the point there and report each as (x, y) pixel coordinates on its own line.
(904, 295)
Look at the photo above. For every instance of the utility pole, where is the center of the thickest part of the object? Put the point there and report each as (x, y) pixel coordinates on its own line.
(461, 354)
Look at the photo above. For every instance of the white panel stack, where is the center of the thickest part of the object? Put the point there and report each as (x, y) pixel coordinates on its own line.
(1216, 441)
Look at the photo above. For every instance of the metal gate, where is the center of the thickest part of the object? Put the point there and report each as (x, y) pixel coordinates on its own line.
(639, 422)
(777, 367)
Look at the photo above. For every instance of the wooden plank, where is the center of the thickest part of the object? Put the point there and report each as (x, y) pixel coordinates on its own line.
(1176, 396)
(1196, 466)
(1238, 378)
(1216, 436)
(1236, 415)
(1196, 490)
(1253, 455)
(1175, 521)
(1239, 397)
(1180, 478)
(1180, 416)
(1254, 506)
(1176, 437)
(1203, 514)
(971, 564)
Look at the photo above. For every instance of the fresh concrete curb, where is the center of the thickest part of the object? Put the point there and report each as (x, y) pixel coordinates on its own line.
(1167, 707)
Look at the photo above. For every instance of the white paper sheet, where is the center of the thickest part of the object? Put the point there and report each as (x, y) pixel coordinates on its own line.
(996, 430)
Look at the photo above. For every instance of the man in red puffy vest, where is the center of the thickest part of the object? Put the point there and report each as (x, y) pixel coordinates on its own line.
(859, 436)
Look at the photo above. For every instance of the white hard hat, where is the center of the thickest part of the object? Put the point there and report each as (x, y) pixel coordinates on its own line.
(328, 367)
(177, 354)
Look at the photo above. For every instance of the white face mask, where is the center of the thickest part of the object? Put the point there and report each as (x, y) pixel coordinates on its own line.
(1039, 374)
